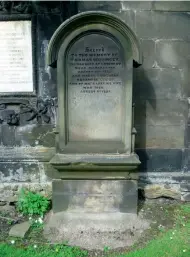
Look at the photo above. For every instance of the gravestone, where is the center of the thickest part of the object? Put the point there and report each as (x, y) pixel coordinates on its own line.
(94, 54)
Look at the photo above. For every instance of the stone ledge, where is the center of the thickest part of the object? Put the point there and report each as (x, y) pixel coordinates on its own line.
(167, 6)
(10, 154)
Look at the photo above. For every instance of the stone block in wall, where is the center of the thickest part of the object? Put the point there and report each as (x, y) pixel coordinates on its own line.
(149, 54)
(136, 5)
(174, 6)
(95, 196)
(35, 135)
(173, 53)
(186, 160)
(20, 172)
(185, 81)
(164, 112)
(156, 161)
(162, 25)
(156, 84)
(163, 137)
(99, 5)
(127, 16)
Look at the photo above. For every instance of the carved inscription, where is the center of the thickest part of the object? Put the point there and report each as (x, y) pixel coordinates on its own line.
(93, 69)
(95, 89)
(15, 56)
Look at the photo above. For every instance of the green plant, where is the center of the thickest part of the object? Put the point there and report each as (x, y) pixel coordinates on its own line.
(106, 248)
(30, 203)
(9, 222)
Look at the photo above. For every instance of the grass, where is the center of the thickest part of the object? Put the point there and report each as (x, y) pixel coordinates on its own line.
(172, 243)
(42, 251)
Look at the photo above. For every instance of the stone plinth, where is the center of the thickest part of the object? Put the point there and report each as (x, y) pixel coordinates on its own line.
(95, 196)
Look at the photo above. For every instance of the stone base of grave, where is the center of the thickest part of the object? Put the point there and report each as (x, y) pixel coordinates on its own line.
(94, 230)
(95, 196)
(93, 214)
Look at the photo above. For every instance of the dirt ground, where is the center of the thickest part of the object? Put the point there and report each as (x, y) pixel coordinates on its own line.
(160, 212)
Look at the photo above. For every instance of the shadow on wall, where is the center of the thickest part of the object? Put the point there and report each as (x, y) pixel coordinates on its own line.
(143, 94)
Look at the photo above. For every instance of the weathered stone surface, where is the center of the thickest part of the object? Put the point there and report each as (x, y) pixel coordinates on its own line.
(156, 191)
(149, 53)
(159, 177)
(45, 7)
(160, 160)
(111, 229)
(185, 81)
(172, 53)
(127, 16)
(20, 230)
(19, 172)
(31, 154)
(165, 112)
(136, 5)
(9, 192)
(99, 5)
(36, 135)
(156, 84)
(186, 197)
(47, 79)
(163, 137)
(46, 25)
(95, 196)
(162, 25)
(8, 135)
(2, 203)
(185, 187)
(177, 6)
(186, 160)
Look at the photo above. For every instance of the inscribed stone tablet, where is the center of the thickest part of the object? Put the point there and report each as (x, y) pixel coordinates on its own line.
(95, 89)
(16, 73)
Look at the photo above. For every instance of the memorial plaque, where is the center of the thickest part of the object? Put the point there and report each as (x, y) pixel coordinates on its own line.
(16, 72)
(96, 77)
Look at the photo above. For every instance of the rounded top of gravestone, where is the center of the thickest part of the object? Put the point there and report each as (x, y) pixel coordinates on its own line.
(85, 19)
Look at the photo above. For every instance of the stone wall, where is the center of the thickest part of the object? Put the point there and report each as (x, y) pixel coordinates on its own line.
(161, 96)
(26, 148)
(161, 91)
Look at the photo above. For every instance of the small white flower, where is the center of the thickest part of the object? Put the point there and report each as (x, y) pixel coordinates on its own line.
(184, 225)
(36, 221)
(184, 250)
(12, 242)
(171, 237)
(35, 246)
(173, 233)
(30, 218)
(40, 220)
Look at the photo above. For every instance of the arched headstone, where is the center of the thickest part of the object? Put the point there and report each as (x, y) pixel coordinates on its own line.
(94, 54)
